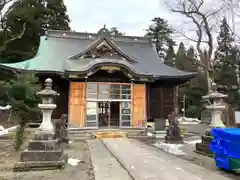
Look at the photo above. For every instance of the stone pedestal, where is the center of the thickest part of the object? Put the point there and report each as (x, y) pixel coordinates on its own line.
(204, 146)
(43, 153)
(47, 110)
(216, 107)
(160, 129)
(160, 134)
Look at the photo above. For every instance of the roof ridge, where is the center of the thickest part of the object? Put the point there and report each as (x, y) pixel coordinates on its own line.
(80, 35)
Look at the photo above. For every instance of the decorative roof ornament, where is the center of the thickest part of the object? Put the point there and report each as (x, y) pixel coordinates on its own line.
(104, 31)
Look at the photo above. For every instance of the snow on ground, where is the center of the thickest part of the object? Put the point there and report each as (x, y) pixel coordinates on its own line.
(73, 161)
(1, 128)
(5, 131)
(185, 120)
(170, 148)
(177, 149)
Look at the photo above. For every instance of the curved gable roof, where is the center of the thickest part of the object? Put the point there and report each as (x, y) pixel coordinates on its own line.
(111, 43)
(58, 49)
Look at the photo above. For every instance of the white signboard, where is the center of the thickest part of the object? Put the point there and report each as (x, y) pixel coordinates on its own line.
(237, 117)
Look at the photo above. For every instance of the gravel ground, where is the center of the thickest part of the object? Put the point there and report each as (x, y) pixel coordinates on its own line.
(191, 156)
(76, 150)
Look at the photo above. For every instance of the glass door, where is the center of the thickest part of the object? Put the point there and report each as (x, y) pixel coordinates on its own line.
(92, 111)
(125, 114)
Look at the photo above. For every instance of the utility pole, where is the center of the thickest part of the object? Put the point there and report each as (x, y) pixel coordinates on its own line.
(184, 108)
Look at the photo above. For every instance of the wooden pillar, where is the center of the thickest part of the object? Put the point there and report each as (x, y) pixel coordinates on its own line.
(138, 105)
(77, 102)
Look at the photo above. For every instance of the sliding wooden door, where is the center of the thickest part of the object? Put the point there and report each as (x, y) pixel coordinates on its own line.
(77, 104)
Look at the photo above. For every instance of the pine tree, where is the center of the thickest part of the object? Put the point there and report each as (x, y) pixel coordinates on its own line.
(190, 62)
(57, 16)
(170, 54)
(159, 34)
(225, 58)
(180, 57)
(35, 16)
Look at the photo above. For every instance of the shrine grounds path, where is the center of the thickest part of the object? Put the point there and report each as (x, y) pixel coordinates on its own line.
(130, 159)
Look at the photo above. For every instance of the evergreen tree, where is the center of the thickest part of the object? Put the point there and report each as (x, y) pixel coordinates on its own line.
(170, 54)
(159, 34)
(190, 64)
(32, 16)
(57, 17)
(114, 31)
(180, 57)
(225, 57)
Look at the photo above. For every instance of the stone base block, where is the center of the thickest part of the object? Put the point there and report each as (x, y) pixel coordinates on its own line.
(42, 135)
(207, 139)
(203, 149)
(36, 155)
(38, 165)
(43, 145)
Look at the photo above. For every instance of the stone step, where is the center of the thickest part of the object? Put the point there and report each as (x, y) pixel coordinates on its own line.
(34, 155)
(39, 165)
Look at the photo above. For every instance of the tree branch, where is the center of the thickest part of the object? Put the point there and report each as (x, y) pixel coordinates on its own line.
(19, 36)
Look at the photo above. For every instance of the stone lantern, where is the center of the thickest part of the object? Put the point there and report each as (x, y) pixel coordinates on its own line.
(44, 151)
(216, 107)
(47, 106)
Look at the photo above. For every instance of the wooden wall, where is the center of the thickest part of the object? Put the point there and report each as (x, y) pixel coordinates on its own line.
(161, 102)
(138, 104)
(77, 104)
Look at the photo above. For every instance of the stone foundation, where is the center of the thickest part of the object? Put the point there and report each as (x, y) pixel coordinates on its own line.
(43, 153)
(204, 146)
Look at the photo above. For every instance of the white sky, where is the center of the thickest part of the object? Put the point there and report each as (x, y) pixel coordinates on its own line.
(129, 16)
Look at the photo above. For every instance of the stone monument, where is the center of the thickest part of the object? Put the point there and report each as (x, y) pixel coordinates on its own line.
(44, 152)
(61, 133)
(160, 128)
(216, 107)
(173, 131)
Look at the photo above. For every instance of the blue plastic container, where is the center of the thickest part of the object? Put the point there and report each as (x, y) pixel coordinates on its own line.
(225, 146)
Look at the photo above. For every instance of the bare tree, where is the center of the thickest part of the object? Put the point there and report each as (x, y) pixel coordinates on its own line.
(193, 10)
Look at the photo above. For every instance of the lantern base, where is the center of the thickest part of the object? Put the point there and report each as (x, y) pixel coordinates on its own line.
(43, 153)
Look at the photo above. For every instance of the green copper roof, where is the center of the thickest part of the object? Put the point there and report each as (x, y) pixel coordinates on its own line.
(57, 48)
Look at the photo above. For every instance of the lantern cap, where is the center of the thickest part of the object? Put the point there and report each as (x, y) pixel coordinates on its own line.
(47, 90)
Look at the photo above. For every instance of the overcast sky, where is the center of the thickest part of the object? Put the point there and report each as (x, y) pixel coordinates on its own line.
(129, 16)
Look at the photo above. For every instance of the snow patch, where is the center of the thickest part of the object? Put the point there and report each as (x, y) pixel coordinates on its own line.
(150, 134)
(73, 161)
(185, 120)
(171, 148)
(5, 132)
(194, 141)
(1, 128)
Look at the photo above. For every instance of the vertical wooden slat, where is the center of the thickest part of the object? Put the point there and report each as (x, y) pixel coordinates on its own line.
(77, 104)
(138, 105)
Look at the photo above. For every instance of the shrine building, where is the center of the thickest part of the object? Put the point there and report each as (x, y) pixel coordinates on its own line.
(105, 80)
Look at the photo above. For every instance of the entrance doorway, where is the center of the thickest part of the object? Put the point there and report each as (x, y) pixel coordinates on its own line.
(109, 114)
